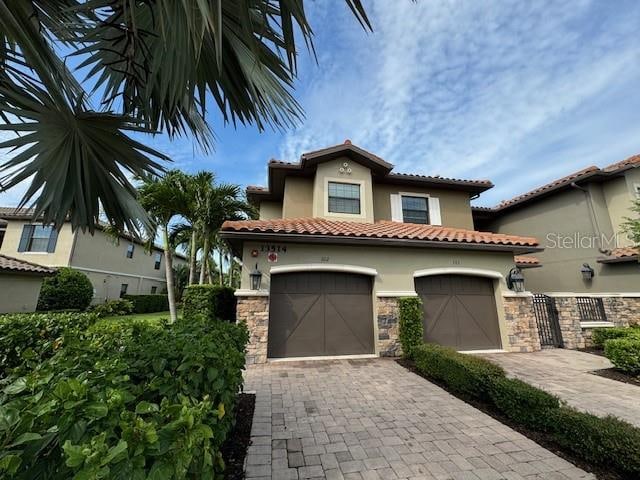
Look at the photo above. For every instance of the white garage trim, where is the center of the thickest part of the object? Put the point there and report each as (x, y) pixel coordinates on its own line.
(476, 272)
(323, 267)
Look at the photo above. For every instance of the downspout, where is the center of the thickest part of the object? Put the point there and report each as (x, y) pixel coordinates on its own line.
(592, 211)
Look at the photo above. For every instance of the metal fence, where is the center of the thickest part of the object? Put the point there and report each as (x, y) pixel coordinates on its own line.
(591, 309)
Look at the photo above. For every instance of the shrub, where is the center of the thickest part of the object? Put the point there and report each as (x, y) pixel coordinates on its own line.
(601, 335)
(624, 353)
(68, 289)
(465, 374)
(28, 338)
(112, 308)
(410, 328)
(149, 303)
(131, 400)
(209, 301)
(521, 402)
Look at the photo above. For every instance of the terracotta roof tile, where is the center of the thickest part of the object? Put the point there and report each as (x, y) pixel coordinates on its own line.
(382, 230)
(10, 264)
(440, 178)
(627, 162)
(526, 260)
(623, 252)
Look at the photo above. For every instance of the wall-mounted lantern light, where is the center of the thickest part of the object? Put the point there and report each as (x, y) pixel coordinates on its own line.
(587, 272)
(515, 280)
(256, 278)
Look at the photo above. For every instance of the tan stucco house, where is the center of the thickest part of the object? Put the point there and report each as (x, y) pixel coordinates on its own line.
(20, 284)
(114, 267)
(341, 237)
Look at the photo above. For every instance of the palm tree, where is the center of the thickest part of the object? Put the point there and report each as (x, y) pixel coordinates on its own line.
(164, 199)
(153, 66)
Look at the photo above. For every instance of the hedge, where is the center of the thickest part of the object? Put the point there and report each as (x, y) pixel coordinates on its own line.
(210, 301)
(624, 353)
(28, 338)
(410, 325)
(112, 308)
(601, 335)
(607, 442)
(131, 401)
(68, 289)
(149, 303)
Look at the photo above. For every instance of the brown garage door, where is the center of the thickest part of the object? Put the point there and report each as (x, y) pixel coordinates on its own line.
(459, 311)
(320, 313)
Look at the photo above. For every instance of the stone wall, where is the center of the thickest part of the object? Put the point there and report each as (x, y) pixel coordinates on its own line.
(388, 315)
(255, 312)
(522, 330)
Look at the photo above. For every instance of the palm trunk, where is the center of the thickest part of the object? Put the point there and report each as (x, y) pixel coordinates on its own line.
(192, 257)
(221, 274)
(205, 257)
(231, 271)
(168, 267)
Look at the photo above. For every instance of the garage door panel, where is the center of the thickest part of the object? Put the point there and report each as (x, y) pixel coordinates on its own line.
(443, 328)
(345, 330)
(478, 332)
(297, 325)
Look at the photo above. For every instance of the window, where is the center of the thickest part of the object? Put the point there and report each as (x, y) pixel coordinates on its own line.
(123, 289)
(2, 232)
(38, 238)
(130, 249)
(591, 309)
(344, 198)
(636, 189)
(154, 290)
(158, 259)
(415, 209)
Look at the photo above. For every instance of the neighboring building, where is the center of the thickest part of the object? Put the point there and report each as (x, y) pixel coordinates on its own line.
(341, 237)
(114, 267)
(578, 218)
(20, 284)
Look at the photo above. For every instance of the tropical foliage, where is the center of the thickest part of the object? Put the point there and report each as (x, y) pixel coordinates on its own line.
(68, 289)
(632, 225)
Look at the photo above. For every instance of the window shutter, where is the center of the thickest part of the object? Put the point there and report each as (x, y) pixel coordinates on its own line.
(396, 207)
(53, 240)
(27, 231)
(434, 211)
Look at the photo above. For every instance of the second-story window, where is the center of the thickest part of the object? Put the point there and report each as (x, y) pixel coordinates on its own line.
(344, 198)
(130, 249)
(415, 209)
(158, 259)
(38, 238)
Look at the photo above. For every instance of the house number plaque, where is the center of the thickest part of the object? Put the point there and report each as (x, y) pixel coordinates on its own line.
(273, 248)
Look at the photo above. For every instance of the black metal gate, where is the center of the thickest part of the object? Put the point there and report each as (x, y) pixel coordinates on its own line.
(547, 321)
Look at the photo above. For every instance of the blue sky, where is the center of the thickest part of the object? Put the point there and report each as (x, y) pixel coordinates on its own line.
(516, 92)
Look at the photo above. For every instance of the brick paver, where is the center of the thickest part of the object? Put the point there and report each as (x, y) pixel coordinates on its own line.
(565, 373)
(373, 419)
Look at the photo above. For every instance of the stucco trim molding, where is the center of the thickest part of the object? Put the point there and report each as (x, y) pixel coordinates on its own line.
(120, 274)
(595, 295)
(512, 294)
(477, 272)
(399, 293)
(323, 267)
(596, 324)
(251, 293)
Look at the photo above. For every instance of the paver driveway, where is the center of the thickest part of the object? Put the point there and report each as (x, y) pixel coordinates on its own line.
(369, 419)
(565, 373)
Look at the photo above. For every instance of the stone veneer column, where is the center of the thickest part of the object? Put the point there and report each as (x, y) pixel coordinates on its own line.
(522, 329)
(254, 310)
(388, 316)
(569, 319)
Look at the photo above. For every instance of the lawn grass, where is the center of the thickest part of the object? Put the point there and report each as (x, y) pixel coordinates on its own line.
(147, 317)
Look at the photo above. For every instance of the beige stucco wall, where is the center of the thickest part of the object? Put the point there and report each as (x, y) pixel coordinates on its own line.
(270, 210)
(619, 194)
(59, 258)
(107, 286)
(455, 207)
(298, 198)
(19, 293)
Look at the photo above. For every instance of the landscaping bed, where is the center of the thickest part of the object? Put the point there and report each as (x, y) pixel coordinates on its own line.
(617, 375)
(234, 450)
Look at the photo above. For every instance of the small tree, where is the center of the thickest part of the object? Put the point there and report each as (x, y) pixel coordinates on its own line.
(411, 329)
(632, 225)
(68, 289)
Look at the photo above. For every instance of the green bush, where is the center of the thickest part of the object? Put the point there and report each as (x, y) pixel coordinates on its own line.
(68, 289)
(410, 327)
(129, 401)
(608, 441)
(624, 353)
(601, 335)
(149, 303)
(465, 374)
(209, 301)
(112, 308)
(28, 338)
(521, 402)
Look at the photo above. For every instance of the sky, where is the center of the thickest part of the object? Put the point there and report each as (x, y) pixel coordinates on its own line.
(520, 93)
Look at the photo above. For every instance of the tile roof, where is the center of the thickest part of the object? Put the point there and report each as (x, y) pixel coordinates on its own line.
(526, 261)
(378, 230)
(621, 254)
(625, 252)
(627, 162)
(10, 264)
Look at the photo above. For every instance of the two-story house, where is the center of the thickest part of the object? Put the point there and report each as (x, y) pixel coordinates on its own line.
(341, 237)
(115, 267)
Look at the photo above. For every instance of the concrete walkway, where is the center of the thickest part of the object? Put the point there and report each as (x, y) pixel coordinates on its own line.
(372, 419)
(565, 373)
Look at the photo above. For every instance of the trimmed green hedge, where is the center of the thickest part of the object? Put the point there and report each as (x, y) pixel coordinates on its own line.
(112, 308)
(68, 289)
(608, 442)
(151, 303)
(209, 301)
(602, 334)
(624, 353)
(410, 326)
(133, 400)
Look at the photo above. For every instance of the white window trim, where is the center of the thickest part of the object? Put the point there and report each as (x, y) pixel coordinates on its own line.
(636, 190)
(476, 272)
(433, 207)
(323, 267)
(361, 183)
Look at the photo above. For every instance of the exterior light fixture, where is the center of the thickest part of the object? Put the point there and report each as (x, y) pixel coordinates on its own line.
(587, 272)
(515, 280)
(256, 278)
